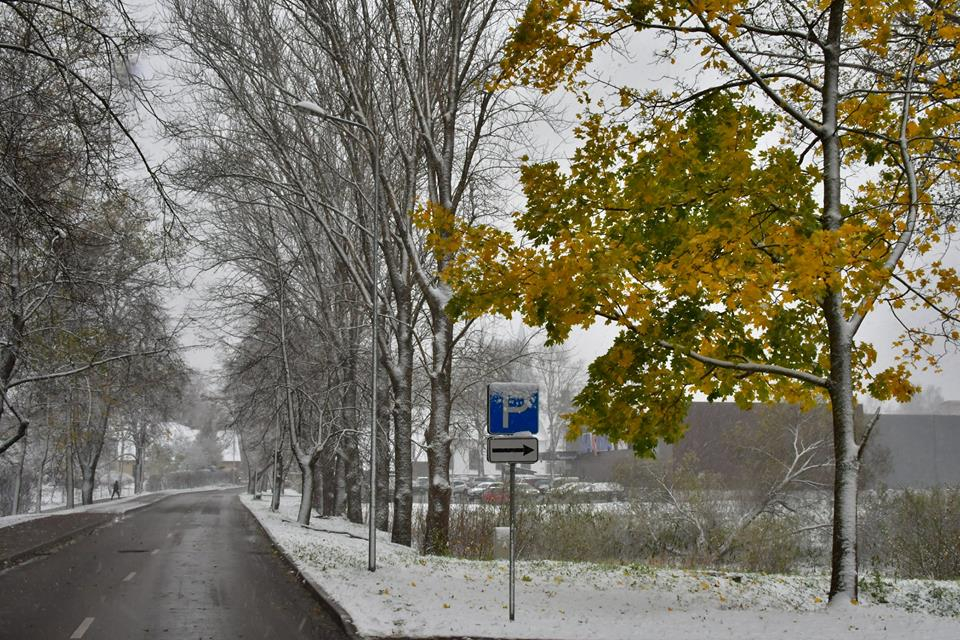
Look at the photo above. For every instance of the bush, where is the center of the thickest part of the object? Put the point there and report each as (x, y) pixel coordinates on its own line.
(771, 545)
(640, 532)
(909, 534)
(915, 534)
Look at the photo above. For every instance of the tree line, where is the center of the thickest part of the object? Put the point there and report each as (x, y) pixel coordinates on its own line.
(86, 342)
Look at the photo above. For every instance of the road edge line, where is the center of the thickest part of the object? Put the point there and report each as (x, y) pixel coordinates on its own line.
(335, 609)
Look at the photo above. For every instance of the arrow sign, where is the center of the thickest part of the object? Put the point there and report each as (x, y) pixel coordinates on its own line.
(524, 450)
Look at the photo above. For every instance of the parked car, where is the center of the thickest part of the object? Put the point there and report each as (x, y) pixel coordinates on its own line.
(501, 494)
(534, 481)
(588, 492)
(489, 490)
(547, 484)
(474, 492)
(607, 492)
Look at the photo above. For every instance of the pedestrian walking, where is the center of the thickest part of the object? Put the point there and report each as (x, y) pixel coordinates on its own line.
(116, 489)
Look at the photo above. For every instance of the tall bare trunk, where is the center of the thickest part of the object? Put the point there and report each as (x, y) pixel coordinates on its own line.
(138, 454)
(68, 484)
(18, 483)
(40, 472)
(340, 495)
(88, 474)
(843, 578)
(383, 457)
(437, 526)
(401, 379)
(318, 486)
(277, 481)
(329, 471)
(306, 491)
(843, 561)
(350, 445)
(353, 478)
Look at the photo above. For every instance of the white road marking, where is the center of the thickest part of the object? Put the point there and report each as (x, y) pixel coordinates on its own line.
(155, 552)
(130, 576)
(82, 629)
(170, 535)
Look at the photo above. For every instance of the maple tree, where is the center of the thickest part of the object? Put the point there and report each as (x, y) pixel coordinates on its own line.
(739, 228)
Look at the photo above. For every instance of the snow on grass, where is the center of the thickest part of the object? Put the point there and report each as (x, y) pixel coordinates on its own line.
(415, 596)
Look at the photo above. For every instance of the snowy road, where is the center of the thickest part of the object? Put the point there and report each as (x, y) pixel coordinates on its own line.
(192, 566)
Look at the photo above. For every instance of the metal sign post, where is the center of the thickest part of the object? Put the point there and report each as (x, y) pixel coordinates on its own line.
(512, 408)
(513, 536)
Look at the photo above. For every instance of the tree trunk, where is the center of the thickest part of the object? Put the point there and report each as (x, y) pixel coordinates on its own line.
(68, 485)
(437, 527)
(843, 561)
(248, 464)
(89, 455)
(318, 486)
(88, 476)
(403, 430)
(40, 470)
(18, 483)
(353, 478)
(350, 446)
(138, 451)
(306, 490)
(277, 481)
(383, 457)
(329, 472)
(340, 495)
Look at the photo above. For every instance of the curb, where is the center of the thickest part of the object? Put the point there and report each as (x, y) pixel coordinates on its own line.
(331, 605)
(48, 545)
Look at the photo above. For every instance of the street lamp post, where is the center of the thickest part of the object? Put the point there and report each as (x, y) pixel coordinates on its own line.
(373, 232)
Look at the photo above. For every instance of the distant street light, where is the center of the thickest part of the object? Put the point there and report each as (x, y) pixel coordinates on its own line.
(314, 109)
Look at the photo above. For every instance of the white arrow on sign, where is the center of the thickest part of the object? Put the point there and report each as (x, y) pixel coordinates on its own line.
(524, 450)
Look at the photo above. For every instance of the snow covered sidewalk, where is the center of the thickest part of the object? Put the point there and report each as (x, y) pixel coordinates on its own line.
(415, 596)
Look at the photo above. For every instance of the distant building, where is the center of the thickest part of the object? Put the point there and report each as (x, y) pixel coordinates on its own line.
(949, 408)
(590, 443)
(905, 451)
(922, 451)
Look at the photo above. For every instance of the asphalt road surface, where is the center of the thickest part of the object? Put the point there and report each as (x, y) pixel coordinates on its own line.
(193, 566)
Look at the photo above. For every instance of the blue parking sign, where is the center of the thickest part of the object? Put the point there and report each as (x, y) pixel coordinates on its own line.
(512, 407)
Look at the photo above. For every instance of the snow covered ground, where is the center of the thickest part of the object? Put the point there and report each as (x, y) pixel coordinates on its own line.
(120, 505)
(416, 596)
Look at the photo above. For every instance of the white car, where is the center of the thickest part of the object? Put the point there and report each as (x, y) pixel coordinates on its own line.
(474, 492)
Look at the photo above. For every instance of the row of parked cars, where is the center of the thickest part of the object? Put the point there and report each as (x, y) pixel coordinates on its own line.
(487, 490)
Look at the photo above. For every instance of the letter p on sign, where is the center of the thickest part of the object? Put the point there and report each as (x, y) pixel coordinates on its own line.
(512, 407)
